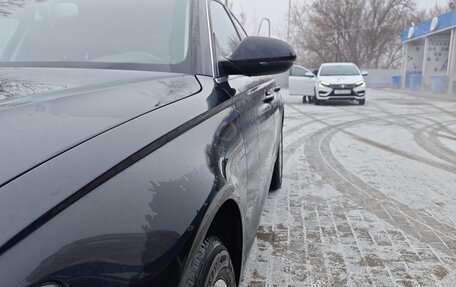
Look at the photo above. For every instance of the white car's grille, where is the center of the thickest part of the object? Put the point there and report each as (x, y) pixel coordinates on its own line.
(342, 86)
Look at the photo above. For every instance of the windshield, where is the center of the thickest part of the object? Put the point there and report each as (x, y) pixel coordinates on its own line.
(339, 70)
(103, 31)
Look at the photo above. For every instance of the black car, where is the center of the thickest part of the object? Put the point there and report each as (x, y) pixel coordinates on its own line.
(138, 142)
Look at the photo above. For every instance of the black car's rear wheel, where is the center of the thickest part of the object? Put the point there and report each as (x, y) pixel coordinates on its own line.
(212, 267)
(276, 182)
(362, 102)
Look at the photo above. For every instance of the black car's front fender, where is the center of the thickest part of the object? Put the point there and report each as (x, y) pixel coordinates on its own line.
(138, 223)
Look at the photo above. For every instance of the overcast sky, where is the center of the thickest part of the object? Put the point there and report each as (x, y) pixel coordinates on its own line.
(277, 11)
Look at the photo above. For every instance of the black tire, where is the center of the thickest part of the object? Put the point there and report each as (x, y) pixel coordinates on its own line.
(362, 102)
(317, 102)
(277, 174)
(211, 265)
(304, 99)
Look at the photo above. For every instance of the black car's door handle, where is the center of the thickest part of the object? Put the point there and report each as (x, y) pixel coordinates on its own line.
(274, 90)
(270, 95)
(268, 98)
(222, 165)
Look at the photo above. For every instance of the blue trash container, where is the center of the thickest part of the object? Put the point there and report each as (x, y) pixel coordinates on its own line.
(396, 82)
(407, 81)
(415, 82)
(439, 84)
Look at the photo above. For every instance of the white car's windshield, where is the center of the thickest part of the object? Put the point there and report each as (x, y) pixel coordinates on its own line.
(339, 70)
(105, 31)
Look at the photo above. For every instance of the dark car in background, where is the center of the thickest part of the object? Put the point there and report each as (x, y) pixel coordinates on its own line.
(139, 140)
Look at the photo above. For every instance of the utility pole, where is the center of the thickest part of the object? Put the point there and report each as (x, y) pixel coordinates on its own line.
(289, 19)
(337, 33)
(226, 3)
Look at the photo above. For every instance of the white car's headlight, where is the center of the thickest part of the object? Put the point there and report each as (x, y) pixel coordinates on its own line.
(360, 84)
(324, 84)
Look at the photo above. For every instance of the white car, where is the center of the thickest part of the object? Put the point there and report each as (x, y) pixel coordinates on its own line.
(302, 83)
(340, 81)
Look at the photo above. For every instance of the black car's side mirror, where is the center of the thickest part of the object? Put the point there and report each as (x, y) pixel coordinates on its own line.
(257, 56)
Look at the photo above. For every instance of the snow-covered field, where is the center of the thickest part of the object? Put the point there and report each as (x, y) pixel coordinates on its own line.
(369, 196)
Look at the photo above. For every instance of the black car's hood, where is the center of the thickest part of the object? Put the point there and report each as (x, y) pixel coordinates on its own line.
(44, 112)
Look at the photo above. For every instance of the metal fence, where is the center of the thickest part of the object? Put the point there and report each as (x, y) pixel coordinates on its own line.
(381, 78)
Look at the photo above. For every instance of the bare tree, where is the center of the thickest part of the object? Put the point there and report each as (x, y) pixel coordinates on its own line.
(365, 32)
(242, 18)
(452, 4)
(6, 6)
(240, 14)
(441, 9)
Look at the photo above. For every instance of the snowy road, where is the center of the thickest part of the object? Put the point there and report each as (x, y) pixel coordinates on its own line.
(369, 196)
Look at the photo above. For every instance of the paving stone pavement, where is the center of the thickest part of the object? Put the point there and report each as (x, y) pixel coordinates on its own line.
(368, 198)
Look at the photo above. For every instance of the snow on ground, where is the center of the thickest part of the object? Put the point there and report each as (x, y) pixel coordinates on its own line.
(368, 199)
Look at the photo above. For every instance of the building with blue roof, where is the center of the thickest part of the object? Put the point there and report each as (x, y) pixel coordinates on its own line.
(429, 55)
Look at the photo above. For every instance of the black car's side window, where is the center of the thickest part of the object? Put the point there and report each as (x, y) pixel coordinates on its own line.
(225, 33)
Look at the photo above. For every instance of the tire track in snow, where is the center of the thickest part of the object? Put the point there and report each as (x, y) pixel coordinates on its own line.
(318, 153)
